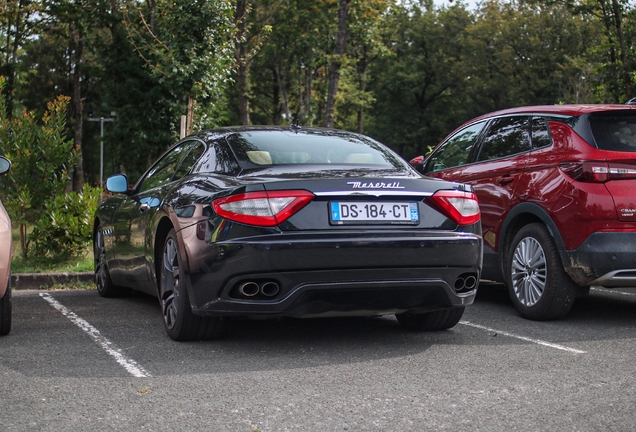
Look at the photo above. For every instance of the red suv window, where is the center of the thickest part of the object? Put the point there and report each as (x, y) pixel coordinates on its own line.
(614, 132)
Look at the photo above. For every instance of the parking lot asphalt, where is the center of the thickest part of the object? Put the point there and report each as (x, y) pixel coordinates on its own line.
(75, 361)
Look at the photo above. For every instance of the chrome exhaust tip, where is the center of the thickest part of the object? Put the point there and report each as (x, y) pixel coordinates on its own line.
(470, 282)
(460, 284)
(248, 289)
(270, 289)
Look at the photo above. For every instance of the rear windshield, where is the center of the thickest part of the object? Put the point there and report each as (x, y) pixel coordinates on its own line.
(254, 149)
(614, 131)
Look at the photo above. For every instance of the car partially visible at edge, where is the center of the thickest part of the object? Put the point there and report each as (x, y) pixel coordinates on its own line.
(5, 261)
(557, 191)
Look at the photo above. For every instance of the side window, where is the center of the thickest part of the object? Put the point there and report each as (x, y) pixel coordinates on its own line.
(218, 159)
(188, 161)
(455, 151)
(507, 136)
(162, 172)
(540, 133)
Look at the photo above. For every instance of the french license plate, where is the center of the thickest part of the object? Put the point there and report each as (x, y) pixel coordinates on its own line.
(396, 213)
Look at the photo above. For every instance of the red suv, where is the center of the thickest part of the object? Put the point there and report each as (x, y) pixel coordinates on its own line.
(557, 192)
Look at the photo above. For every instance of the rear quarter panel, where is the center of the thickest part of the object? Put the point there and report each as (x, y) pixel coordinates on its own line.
(5, 249)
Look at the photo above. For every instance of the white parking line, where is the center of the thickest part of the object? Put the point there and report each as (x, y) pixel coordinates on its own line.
(129, 364)
(610, 291)
(523, 338)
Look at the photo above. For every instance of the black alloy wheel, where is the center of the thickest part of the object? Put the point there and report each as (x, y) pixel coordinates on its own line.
(538, 285)
(105, 286)
(442, 319)
(181, 324)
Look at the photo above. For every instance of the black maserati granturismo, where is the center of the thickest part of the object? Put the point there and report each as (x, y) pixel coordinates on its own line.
(293, 222)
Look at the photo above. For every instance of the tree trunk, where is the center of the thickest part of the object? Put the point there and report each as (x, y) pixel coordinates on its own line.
(362, 68)
(336, 62)
(77, 40)
(12, 57)
(627, 82)
(280, 73)
(242, 79)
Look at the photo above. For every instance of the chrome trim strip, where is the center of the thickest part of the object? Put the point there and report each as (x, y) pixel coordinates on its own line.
(373, 193)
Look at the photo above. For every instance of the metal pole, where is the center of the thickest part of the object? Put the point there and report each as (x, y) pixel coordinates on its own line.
(101, 121)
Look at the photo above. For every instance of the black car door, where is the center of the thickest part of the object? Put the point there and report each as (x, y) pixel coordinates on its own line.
(135, 215)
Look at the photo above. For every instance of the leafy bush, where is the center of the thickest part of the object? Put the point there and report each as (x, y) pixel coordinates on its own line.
(64, 229)
(42, 159)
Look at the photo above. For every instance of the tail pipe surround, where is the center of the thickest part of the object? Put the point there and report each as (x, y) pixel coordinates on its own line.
(465, 282)
(257, 290)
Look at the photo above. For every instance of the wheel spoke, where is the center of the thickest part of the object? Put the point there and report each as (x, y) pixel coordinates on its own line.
(528, 271)
(170, 283)
(100, 260)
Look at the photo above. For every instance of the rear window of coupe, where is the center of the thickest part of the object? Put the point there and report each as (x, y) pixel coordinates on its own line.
(614, 131)
(255, 149)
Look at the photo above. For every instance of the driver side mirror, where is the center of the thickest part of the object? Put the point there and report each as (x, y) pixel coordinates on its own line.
(4, 165)
(117, 183)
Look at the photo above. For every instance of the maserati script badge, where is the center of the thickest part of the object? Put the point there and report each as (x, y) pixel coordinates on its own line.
(371, 185)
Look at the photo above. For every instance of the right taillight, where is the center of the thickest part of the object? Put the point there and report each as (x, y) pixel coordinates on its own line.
(461, 207)
(598, 171)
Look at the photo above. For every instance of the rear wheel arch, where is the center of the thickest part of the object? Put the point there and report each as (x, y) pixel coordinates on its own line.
(163, 228)
(520, 216)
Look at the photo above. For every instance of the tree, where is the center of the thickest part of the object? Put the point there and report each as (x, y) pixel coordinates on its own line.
(16, 25)
(619, 20)
(188, 46)
(335, 62)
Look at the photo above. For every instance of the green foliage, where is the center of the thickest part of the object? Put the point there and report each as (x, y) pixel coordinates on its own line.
(42, 159)
(64, 229)
(412, 70)
(187, 44)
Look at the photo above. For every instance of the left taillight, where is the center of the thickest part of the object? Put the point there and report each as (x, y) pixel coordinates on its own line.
(262, 208)
(461, 207)
(598, 171)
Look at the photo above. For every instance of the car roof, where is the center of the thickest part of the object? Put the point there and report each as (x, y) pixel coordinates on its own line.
(568, 110)
(229, 130)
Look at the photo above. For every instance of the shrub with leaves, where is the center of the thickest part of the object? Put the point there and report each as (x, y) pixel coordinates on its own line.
(64, 230)
(42, 159)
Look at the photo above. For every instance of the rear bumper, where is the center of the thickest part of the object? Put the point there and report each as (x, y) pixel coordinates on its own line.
(344, 276)
(605, 259)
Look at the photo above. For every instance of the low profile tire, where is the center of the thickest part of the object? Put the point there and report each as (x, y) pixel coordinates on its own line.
(105, 286)
(537, 283)
(5, 310)
(181, 324)
(442, 319)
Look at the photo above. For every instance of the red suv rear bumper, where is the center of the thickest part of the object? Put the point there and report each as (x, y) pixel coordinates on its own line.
(605, 259)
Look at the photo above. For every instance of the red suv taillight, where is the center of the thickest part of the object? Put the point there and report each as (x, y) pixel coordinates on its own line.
(263, 208)
(598, 171)
(461, 207)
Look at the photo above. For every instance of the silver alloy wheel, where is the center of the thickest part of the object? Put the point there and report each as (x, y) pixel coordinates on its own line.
(529, 271)
(170, 283)
(100, 261)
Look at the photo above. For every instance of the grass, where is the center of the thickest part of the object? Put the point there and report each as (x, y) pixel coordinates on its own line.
(83, 263)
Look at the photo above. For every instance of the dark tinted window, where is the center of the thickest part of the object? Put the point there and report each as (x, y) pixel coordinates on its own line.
(506, 136)
(265, 148)
(186, 164)
(163, 171)
(613, 131)
(540, 133)
(455, 151)
(218, 159)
